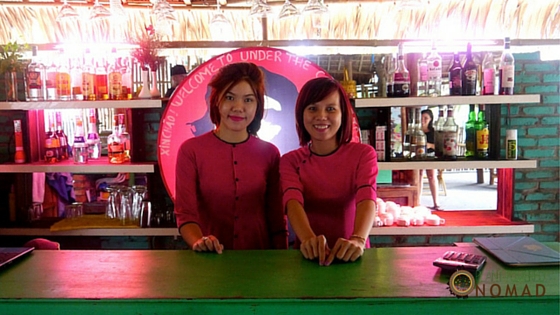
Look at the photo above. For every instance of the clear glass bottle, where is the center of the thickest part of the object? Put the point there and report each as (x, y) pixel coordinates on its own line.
(456, 76)
(418, 140)
(507, 70)
(470, 133)
(488, 74)
(35, 78)
(125, 137)
(88, 77)
(422, 84)
(126, 72)
(50, 86)
(450, 129)
(408, 134)
(101, 84)
(62, 137)
(401, 77)
(482, 134)
(438, 129)
(434, 72)
(390, 76)
(115, 77)
(79, 147)
(115, 146)
(63, 82)
(93, 141)
(76, 78)
(470, 73)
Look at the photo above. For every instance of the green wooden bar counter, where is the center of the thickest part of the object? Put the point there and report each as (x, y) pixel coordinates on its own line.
(384, 281)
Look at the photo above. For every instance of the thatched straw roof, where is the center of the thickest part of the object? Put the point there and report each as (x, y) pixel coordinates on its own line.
(34, 22)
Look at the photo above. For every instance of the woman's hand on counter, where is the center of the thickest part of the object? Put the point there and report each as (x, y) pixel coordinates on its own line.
(208, 244)
(346, 250)
(315, 247)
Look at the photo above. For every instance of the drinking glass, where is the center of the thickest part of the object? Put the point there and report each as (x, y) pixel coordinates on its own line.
(126, 204)
(288, 10)
(260, 8)
(113, 202)
(139, 193)
(220, 27)
(67, 12)
(99, 12)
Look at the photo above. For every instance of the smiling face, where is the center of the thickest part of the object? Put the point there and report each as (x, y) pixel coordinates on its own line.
(237, 111)
(322, 120)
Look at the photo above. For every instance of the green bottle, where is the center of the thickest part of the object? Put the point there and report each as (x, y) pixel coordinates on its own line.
(470, 133)
(482, 134)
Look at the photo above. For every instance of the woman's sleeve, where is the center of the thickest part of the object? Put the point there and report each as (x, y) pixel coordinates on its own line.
(276, 219)
(186, 178)
(290, 182)
(366, 179)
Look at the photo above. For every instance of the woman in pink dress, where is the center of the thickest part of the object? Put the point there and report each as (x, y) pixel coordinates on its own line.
(227, 180)
(329, 183)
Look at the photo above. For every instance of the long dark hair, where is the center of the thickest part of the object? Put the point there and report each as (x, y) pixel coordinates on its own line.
(226, 78)
(431, 123)
(314, 91)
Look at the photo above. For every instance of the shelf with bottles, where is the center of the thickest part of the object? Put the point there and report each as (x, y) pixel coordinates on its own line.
(447, 100)
(460, 163)
(92, 167)
(134, 103)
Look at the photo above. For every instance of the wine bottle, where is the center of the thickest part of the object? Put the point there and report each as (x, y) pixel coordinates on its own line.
(401, 77)
(438, 128)
(434, 72)
(507, 70)
(93, 141)
(115, 77)
(482, 134)
(52, 144)
(456, 76)
(62, 137)
(470, 73)
(488, 74)
(470, 133)
(125, 137)
(450, 136)
(62, 80)
(35, 78)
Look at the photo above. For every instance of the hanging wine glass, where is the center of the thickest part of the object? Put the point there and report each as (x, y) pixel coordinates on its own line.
(99, 12)
(66, 12)
(220, 27)
(260, 8)
(288, 10)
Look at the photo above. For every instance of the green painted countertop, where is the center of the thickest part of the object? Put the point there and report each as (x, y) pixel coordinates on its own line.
(129, 281)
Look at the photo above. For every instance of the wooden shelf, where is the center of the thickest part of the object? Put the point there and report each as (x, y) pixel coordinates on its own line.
(447, 100)
(459, 164)
(69, 166)
(134, 103)
(462, 223)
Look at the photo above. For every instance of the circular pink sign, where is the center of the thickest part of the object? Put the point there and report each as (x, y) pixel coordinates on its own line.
(187, 114)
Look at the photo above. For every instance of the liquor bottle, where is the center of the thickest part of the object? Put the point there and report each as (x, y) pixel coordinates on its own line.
(374, 80)
(93, 141)
(482, 134)
(434, 72)
(62, 80)
(408, 135)
(19, 156)
(507, 70)
(115, 147)
(488, 74)
(126, 71)
(50, 86)
(125, 137)
(76, 79)
(418, 140)
(35, 78)
(470, 73)
(450, 136)
(456, 76)
(62, 137)
(390, 76)
(401, 77)
(422, 85)
(470, 133)
(438, 128)
(52, 144)
(115, 77)
(102, 92)
(79, 148)
(88, 78)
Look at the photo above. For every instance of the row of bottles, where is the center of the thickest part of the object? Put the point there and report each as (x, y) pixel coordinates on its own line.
(467, 78)
(477, 133)
(86, 77)
(85, 147)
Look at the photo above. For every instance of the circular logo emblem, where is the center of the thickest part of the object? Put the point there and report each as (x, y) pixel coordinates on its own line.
(461, 283)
